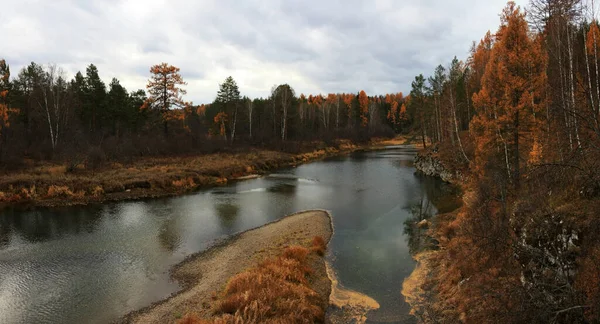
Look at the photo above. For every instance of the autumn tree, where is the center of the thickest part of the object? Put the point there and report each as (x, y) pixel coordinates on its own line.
(510, 103)
(165, 89)
(363, 102)
(5, 111)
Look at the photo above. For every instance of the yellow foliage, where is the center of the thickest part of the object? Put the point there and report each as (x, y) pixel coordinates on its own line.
(186, 183)
(59, 191)
(98, 191)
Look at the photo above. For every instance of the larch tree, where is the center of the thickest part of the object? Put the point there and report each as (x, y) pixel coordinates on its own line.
(165, 89)
(5, 111)
(510, 103)
(363, 102)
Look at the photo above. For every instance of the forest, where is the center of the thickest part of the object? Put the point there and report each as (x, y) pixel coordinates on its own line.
(45, 117)
(518, 124)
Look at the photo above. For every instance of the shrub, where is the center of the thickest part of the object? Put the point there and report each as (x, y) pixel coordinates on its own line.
(59, 191)
(98, 191)
(95, 158)
(186, 183)
(318, 245)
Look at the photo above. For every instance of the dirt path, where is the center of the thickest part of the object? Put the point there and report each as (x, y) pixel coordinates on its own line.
(207, 273)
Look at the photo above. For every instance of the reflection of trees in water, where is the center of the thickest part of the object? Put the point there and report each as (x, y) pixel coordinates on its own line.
(415, 231)
(288, 188)
(168, 234)
(403, 163)
(228, 211)
(5, 232)
(444, 197)
(42, 225)
(435, 197)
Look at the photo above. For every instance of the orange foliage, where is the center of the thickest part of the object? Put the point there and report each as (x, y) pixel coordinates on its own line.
(164, 88)
(348, 101)
(505, 123)
(276, 291)
(221, 119)
(593, 38)
(5, 111)
(363, 102)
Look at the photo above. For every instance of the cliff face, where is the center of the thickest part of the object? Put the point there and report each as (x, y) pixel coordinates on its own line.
(428, 164)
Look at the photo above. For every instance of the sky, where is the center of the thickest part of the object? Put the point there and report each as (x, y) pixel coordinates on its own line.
(324, 46)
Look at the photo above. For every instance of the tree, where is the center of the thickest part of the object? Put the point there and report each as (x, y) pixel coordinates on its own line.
(228, 98)
(417, 95)
(165, 91)
(117, 108)
(436, 87)
(512, 93)
(363, 102)
(54, 100)
(283, 97)
(5, 111)
(94, 108)
(454, 78)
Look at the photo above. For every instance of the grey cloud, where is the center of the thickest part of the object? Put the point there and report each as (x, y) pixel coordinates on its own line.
(315, 45)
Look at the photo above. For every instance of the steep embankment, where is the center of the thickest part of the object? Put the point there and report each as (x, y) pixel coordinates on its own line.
(428, 163)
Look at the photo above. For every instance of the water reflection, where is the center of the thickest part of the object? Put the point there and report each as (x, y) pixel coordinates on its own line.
(228, 212)
(44, 224)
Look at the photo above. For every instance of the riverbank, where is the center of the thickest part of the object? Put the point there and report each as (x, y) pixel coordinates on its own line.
(206, 274)
(53, 185)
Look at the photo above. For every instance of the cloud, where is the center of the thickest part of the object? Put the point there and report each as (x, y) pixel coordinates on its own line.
(315, 46)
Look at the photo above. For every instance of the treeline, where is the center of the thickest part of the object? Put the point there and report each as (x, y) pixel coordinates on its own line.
(44, 116)
(520, 120)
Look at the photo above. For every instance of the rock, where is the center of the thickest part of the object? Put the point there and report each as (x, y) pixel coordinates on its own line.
(429, 165)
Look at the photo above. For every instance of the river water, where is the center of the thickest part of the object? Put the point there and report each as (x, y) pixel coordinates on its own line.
(94, 264)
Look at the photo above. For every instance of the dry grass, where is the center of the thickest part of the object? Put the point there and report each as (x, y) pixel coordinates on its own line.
(278, 290)
(159, 176)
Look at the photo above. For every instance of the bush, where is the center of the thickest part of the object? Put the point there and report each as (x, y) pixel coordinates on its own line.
(318, 245)
(95, 158)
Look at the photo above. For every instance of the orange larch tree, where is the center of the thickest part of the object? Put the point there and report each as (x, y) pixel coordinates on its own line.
(165, 91)
(363, 102)
(510, 103)
(5, 111)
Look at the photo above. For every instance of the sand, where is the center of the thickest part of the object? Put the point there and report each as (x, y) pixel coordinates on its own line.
(205, 274)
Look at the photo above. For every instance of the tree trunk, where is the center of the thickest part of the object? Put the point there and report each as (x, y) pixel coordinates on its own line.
(250, 117)
(456, 128)
(516, 153)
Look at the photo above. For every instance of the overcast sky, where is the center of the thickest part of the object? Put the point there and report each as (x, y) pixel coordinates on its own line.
(315, 46)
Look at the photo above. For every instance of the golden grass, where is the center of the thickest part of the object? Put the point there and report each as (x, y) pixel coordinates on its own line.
(276, 291)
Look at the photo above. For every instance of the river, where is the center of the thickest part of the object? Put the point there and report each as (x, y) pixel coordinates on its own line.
(96, 263)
